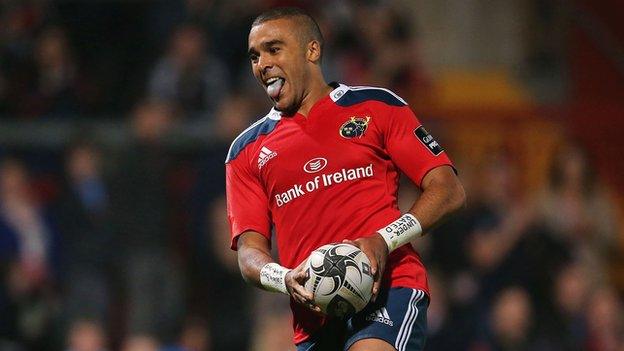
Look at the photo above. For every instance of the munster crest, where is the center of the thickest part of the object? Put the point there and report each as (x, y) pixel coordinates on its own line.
(354, 127)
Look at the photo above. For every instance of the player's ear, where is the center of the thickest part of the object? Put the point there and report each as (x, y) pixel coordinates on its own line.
(313, 53)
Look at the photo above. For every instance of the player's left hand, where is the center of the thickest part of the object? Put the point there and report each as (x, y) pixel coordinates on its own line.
(376, 249)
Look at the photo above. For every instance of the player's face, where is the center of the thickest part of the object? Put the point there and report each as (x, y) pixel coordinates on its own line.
(278, 61)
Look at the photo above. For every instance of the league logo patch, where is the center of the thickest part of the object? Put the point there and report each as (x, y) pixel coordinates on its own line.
(354, 127)
(338, 94)
(423, 135)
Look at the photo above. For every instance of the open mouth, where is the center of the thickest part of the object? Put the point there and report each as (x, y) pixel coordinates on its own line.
(274, 86)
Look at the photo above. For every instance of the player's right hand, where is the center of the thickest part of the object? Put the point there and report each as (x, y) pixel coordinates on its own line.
(375, 248)
(295, 280)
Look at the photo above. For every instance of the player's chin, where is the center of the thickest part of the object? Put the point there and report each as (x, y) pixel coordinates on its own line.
(285, 107)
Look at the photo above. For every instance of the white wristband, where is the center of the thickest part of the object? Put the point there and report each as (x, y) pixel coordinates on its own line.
(401, 231)
(272, 277)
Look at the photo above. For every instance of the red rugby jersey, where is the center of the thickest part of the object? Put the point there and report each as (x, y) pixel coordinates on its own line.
(330, 176)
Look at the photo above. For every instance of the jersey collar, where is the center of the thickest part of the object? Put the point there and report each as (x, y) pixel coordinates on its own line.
(274, 114)
(334, 95)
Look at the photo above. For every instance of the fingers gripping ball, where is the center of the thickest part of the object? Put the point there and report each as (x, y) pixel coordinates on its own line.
(340, 278)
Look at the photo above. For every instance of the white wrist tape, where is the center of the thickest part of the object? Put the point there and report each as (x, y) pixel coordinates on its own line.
(272, 277)
(401, 231)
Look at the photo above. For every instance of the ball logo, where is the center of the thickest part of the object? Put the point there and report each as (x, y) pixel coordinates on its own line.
(315, 165)
(354, 127)
(335, 267)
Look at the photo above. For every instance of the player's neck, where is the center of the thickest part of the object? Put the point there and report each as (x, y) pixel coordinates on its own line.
(318, 90)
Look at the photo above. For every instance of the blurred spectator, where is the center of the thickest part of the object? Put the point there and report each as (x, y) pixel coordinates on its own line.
(510, 322)
(499, 222)
(565, 326)
(151, 120)
(28, 254)
(142, 214)
(223, 294)
(231, 30)
(193, 337)
(272, 329)
(392, 33)
(448, 328)
(505, 240)
(605, 321)
(234, 114)
(502, 246)
(165, 15)
(19, 20)
(83, 214)
(214, 265)
(141, 343)
(188, 75)
(86, 335)
(578, 212)
(361, 54)
(232, 117)
(56, 88)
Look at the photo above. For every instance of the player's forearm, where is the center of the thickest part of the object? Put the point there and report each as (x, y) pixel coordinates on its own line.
(257, 265)
(251, 261)
(442, 196)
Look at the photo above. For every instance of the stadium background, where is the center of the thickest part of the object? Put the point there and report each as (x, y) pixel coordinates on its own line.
(116, 117)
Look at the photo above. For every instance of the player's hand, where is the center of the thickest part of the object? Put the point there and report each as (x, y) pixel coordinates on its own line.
(294, 283)
(376, 249)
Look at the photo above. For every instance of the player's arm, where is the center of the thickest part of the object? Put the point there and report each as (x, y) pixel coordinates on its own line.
(424, 161)
(442, 195)
(258, 268)
(248, 214)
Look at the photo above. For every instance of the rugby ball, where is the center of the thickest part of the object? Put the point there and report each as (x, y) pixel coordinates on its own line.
(340, 278)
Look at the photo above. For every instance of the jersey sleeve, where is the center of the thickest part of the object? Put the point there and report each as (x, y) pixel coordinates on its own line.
(247, 203)
(411, 147)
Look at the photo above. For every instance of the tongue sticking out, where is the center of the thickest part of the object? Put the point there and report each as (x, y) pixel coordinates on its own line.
(274, 88)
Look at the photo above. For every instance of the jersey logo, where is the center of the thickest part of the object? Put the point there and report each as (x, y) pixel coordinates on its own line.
(315, 165)
(265, 155)
(380, 316)
(427, 139)
(354, 127)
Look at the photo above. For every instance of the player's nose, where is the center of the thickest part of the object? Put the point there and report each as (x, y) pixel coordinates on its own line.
(265, 63)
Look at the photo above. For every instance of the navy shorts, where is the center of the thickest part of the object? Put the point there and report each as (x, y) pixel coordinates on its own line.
(398, 316)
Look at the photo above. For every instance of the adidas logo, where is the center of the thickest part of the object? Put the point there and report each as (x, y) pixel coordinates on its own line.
(381, 316)
(265, 156)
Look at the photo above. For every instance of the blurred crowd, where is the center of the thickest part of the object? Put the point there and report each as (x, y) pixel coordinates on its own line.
(522, 271)
(66, 60)
(125, 247)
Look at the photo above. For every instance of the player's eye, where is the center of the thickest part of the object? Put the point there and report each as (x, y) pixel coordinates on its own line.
(274, 50)
(253, 58)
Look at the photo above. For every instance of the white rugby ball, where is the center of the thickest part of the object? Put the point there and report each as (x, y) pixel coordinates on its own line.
(340, 278)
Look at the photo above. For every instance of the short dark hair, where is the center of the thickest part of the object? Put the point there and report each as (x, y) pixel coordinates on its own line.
(310, 29)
